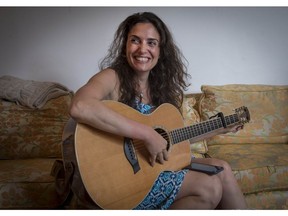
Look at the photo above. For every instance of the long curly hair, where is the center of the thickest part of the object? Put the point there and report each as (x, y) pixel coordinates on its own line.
(167, 80)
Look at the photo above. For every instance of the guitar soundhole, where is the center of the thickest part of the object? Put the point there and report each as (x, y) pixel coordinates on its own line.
(165, 135)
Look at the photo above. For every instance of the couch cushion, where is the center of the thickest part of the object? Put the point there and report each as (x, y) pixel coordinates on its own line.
(268, 200)
(32, 133)
(267, 105)
(258, 168)
(27, 184)
(191, 116)
(251, 156)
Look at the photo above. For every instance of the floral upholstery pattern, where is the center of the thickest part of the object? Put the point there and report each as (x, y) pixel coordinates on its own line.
(30, 142)
(258, 168)
(258, 153)
(268, 200)
(32, 133)
(267, 105)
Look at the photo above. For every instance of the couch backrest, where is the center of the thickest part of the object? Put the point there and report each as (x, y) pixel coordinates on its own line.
(32, 133)
(267, 104)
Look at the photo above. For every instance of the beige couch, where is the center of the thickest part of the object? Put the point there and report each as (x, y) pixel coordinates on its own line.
(30, 142)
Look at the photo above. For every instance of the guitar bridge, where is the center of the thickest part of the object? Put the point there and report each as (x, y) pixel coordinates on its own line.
(130, 154)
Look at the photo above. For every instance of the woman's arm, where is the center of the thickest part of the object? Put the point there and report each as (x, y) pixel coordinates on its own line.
(87, 108)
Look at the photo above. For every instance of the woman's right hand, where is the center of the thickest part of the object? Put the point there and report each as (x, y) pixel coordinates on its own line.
(157, 147)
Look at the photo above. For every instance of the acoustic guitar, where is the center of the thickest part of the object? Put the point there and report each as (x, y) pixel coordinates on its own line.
(115, 170)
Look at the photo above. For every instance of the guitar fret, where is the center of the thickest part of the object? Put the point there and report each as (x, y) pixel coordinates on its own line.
(232, 119)
(229, 120)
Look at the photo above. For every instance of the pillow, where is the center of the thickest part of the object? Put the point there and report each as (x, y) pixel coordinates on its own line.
(267, 104)
(191, 116)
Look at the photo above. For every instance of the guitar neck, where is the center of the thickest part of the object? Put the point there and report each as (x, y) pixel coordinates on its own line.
(182, 134)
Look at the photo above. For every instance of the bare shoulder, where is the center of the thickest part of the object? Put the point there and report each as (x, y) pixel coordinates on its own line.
(104, 76)
(103, 85)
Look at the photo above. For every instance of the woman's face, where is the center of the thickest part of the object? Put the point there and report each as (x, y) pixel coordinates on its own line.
(142, 48)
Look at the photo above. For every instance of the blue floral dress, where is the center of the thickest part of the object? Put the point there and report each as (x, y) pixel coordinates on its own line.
(167, 184)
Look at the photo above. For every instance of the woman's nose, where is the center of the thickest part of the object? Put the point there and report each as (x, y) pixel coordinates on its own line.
(143, 47)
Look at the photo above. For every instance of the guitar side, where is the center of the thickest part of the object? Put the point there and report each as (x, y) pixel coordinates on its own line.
(105, 171)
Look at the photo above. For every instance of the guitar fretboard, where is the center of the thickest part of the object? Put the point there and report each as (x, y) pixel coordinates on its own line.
(181, 134)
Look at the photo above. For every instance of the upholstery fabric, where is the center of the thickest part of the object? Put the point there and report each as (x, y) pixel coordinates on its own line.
(32, 133)
(267, 105)
(268, 200)
(259, 167)
(27, 184)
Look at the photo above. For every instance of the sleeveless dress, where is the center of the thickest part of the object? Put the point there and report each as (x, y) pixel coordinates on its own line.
(167, 184)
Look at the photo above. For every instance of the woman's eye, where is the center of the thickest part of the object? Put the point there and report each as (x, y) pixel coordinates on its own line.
(135, 41)
(153, 43)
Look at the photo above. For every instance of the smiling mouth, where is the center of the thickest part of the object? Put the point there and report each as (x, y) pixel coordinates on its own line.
(142, 59)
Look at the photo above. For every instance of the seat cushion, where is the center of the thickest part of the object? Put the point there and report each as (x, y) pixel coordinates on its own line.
(27, 184)
(258, 168)
(268, 200)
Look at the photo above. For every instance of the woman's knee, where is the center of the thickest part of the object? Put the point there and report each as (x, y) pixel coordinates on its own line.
(227, 171)
(208, 189)
(212, 193)
(219, 162)
(213, 161)
(225, 165)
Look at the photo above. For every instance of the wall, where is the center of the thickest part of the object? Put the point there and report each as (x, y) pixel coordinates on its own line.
(222, 44)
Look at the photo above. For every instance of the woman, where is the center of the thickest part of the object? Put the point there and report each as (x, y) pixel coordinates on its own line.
(144, 68)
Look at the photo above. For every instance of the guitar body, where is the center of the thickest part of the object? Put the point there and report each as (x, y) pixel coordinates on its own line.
(105, 170)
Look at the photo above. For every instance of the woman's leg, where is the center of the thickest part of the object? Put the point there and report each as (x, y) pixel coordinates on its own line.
(232, 196)
(197, 186)
(198, 191)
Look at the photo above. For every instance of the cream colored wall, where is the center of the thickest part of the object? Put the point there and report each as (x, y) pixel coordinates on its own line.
(222, 45)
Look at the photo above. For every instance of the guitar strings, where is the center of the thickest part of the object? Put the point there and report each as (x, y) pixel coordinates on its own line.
(139, 145)
(191, 131)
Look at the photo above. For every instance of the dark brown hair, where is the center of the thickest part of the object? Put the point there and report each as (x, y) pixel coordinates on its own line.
(167, 78)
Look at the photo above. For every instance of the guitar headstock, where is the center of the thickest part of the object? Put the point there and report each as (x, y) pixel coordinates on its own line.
(243, 114)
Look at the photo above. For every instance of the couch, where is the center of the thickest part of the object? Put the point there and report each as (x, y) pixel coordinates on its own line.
(31, 143)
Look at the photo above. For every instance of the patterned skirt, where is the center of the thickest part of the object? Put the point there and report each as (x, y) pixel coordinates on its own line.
(164, 191)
